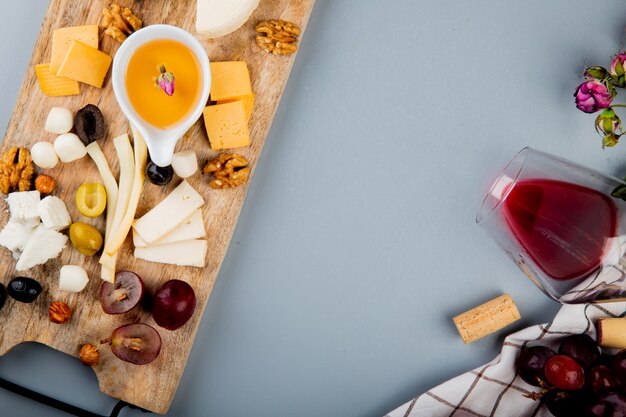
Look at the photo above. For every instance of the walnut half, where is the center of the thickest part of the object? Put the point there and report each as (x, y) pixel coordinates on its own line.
(277, 36)
(119, 22)
(228, 170)
(16, 170)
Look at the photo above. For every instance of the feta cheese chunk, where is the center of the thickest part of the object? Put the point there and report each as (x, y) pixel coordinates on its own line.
(23, 206)
(54, 214)
(43, 244)
(15, 235)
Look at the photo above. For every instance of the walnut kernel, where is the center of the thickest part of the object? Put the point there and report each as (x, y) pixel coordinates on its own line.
(119, 22)
(59, 312)
(16, 170)
(277, 36)
(228, 170)
(44, 184)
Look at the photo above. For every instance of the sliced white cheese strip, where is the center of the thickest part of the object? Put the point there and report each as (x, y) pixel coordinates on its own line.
(169, 213)
(15, 235)
(43, 244)
(192, 228)
(187, 253)
(217, 18)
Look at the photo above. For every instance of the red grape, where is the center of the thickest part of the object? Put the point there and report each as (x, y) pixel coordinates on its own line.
(136, 343)
(174, 304)
(531, 362)
(582, 348)
(123, 295)
(564, 373)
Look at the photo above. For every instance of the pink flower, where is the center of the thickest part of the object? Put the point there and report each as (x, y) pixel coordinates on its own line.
(166, 81)
(592, 96)
(617, 69)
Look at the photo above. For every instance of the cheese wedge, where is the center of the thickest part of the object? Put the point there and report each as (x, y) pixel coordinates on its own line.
(227, 125)
(190, 229)
(248, 103)
(230, 80)
(62, 40)
(54, 86)
(85, 64)
(216, 18)
(169, 213)
(186, 253)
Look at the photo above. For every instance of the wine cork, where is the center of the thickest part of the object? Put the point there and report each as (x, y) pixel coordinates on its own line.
(612, 332)
(486, 318)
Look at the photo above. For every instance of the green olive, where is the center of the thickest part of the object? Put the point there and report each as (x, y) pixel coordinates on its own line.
(85, 238)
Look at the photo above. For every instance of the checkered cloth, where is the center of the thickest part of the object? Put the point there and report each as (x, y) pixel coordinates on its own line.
(494, 389)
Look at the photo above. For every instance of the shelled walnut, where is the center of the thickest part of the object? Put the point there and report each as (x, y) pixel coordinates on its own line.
(16, 170)
(277, 36)
(228, 170)
(119, 22)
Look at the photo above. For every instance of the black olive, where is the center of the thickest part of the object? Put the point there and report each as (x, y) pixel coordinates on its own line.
(159, 175)
(3, 295)
(24, 290)
(89, 124)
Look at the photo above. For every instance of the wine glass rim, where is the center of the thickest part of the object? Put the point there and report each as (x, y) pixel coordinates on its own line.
(484, 212)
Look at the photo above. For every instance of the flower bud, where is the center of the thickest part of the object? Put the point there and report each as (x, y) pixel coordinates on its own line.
(166, 81)
(593, 95)
(617, 69)
(597, 73)
(610, 140)
(608, 122)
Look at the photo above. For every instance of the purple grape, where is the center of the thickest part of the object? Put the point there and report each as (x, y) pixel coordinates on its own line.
(566, 403)
(601, 380)
(582, 348)
(531, 362)
(618, 367)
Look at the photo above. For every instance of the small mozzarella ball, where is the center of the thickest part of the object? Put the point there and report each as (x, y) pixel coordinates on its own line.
(185, 163)
(43, 155)
(69, 147)
(73, 278)
(60, 120)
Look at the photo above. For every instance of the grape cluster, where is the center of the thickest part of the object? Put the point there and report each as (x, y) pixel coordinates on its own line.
(578, 380)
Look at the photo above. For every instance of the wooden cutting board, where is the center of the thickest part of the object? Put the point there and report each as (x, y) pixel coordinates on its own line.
(150, 386)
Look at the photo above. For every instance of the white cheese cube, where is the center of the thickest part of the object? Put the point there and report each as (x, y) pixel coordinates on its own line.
(72, 278)
(15, 235)
(192, 228)
(169, 213)
(185, 163)
(54, 214)
(44, 244)
(23, 206)
(187, 253)
(60, 120)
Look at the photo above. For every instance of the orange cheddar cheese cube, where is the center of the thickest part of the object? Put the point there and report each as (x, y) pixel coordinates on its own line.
(62, 40)
(85, 64)
(230, 80)
(248, 103)
(54, 86)
(227, 125)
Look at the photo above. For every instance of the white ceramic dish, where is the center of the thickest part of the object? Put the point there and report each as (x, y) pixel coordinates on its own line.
(161, 142)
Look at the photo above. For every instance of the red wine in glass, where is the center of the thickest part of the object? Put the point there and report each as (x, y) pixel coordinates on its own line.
(564, 227)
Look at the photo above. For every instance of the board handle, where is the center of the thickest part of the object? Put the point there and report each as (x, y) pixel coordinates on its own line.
(61, 405)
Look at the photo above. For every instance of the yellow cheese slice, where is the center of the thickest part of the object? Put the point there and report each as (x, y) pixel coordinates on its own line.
(85, 64)
(248, 103)
(62, 40)
(54, 86)
(230, 80)
(227, 125)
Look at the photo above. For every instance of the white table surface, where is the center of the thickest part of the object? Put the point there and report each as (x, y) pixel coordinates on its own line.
(357, 242)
